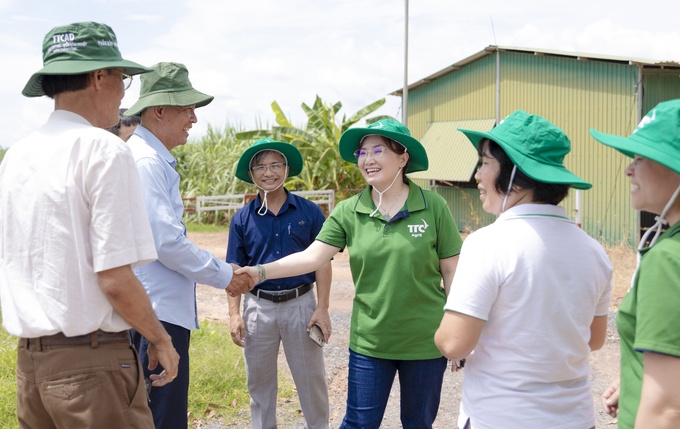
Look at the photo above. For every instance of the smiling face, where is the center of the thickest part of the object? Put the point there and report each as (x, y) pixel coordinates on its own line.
(653, 186)
(176, 123)
(492, 200)
(379, 171)
(269, 171)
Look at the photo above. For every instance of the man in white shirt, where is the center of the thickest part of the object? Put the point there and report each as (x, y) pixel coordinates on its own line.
(72, 226)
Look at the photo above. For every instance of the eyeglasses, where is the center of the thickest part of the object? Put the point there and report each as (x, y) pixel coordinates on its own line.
(127, 79)
(275, 168)
(376, 153)
(191, 110)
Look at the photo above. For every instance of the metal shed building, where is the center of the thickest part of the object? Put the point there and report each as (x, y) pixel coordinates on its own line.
(574, 91)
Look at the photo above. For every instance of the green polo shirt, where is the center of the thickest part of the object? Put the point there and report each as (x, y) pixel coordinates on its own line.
(399, 300)
(648, 318)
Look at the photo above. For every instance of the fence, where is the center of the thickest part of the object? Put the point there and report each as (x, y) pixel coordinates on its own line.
(235, 202)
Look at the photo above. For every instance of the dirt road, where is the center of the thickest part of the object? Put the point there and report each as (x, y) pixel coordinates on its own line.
(212, 305)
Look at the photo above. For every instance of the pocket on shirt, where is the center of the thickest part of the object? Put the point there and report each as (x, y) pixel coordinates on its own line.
(300, 238)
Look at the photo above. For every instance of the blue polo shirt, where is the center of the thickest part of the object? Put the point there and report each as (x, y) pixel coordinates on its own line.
(255, 239)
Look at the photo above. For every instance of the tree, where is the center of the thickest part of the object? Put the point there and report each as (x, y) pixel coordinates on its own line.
(323, 168)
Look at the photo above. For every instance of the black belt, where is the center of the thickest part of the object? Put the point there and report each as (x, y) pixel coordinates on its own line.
(93, 339)
(283, 296)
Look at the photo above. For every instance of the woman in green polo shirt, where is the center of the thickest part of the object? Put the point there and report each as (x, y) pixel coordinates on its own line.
(402, 241)
(648, 392)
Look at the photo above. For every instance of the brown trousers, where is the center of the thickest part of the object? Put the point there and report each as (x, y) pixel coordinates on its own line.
(80, 386)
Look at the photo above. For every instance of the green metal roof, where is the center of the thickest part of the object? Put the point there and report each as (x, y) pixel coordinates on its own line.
(645, 63)
(451, 156)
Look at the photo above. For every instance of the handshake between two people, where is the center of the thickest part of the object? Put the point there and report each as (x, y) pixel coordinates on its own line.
(240, 283)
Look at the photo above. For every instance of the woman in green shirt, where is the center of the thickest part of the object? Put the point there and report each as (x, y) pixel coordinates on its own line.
(402, 241)
(648, 392)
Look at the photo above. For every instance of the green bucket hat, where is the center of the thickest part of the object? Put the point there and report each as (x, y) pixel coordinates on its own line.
(290, 152)
(656, 138)
(534, 145)
(79, 48)
(350, 140)
(167, 85)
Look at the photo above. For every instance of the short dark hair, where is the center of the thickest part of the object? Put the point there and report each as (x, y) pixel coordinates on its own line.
(58, 83)
(123, 120)
(546, 193)
(395, 147)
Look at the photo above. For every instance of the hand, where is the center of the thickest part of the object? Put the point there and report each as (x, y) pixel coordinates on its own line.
(610, 398)
(240, 283)
(166, 354)
(323, 319)
(237, 329)
(251, 271)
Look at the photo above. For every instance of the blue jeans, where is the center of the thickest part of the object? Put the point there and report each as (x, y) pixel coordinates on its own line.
(369, 383)
(168, 403)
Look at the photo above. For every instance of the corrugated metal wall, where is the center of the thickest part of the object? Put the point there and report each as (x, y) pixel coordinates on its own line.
(468, 93)
(659, 85)
(576, 96)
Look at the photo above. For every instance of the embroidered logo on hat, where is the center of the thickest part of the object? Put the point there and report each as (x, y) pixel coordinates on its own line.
(375, 125)
(646, 120)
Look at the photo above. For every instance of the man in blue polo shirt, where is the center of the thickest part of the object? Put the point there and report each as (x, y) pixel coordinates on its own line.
(272, 226)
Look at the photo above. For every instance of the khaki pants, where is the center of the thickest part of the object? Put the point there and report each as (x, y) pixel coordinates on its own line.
(269, 324)
(80, 386)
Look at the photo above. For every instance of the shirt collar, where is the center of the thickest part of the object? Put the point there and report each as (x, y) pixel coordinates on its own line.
(414, 202)
(68, 116)
(290, 201)
(150, 139)
(523, 210)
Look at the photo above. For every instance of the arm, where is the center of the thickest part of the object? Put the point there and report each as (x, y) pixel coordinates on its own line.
(457, 335)
(598, 333)
(175, 250)
(237, 327)
(127, 295)
(448, 268)
(660, 399)
(324, 276)
(310, 259)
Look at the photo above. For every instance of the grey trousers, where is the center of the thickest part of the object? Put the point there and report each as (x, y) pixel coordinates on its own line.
(267, 324)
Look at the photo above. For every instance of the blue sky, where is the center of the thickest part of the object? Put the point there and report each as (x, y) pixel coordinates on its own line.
(248, 53)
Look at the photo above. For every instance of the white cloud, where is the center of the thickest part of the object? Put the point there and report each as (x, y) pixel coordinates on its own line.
(149, 19)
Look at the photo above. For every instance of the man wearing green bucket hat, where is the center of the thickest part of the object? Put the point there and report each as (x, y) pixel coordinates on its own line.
(274, 225)
(167, 105)
(72, 224)
(531, 294)
(402, 242)
(648, 393)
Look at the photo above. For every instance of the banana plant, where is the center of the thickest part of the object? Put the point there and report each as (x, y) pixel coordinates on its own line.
(323, 168)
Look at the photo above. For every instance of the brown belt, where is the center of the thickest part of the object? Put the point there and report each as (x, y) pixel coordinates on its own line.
(93, 339)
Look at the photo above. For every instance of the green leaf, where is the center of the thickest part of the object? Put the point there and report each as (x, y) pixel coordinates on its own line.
(316, 121)
(361, 113)
(280, 117)
(292, 132)
(254, 135)
(336, 108)
(378, 118)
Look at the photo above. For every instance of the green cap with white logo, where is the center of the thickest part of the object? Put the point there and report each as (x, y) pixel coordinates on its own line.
(79, 48)
(657, 137)
(351, 139)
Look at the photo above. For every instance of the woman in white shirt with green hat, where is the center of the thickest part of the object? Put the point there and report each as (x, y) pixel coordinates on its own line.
(402, 241)
(530, 297)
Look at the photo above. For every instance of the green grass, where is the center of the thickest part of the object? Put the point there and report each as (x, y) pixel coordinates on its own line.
(218, 377)
(8, 381)
(194, 227)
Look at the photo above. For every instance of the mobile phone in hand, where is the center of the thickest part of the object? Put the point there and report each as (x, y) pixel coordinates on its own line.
(316, 335)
